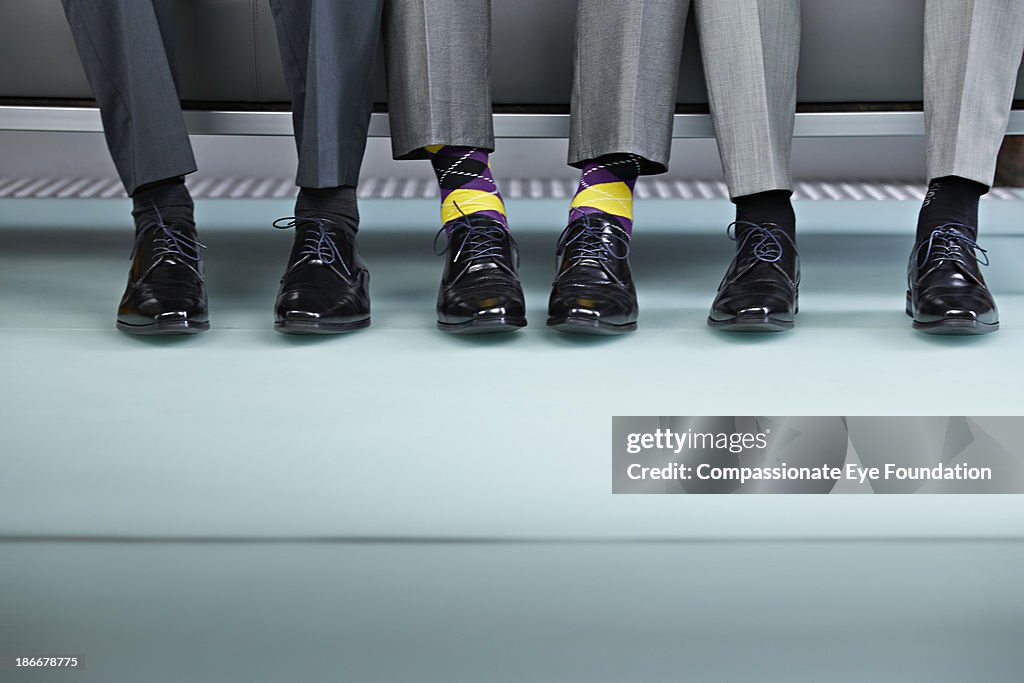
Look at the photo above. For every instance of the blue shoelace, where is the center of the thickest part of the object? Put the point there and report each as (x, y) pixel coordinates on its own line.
(170, 241)
(949, 242)
(483, 239)
(590, 243)
(318, 243)
(765, 238)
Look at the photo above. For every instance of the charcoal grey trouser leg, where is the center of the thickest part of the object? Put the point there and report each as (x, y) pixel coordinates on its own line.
(126, 47)
(328, 49)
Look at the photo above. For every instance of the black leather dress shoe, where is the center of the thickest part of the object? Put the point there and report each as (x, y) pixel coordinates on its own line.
(760, 290)
(326, 287)
(593, 292)
(480, 289)
(946, 293)
(166, 292)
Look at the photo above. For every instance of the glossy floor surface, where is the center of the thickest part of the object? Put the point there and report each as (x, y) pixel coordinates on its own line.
(426, 612)
(402, 430)
(437, 508)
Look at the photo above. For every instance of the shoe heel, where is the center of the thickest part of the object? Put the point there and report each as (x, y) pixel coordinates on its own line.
(910, 308)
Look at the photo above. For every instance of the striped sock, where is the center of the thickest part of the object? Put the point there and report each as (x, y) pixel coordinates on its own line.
(467, 186)
(606, 186)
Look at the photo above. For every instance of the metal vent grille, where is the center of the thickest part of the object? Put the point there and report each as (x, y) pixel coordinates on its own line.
(512, 188)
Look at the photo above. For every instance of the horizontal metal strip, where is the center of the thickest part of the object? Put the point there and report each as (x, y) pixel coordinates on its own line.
(265, 123)
(210, 187)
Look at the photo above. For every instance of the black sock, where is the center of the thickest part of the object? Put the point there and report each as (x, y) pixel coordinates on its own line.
(335, 203)
(773, 206)
(167, 200)
(951, 199)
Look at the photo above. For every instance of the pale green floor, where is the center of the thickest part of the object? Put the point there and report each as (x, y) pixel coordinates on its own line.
(400, 443)
(511, 613)
(401, 429)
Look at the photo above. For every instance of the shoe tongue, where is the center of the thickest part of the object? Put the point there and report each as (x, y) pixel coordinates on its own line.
(959, 228)
(590, 271)
(150, 225)
(168, 269)
(478, 266)
(310, 220)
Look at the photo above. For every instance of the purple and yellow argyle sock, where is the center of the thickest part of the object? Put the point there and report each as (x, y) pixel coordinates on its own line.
(467, 185)
(606, 186)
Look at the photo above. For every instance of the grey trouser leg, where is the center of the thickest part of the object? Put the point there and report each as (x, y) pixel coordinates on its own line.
(627, 70)
(972, 52)
(626, 75)
(751, 51)
(126, 48)
(439, 64)
(328, 49)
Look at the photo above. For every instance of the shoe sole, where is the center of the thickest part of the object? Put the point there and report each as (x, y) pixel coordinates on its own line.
(483, 326)
(746, 324)
(304, 327)
(589, 326)
(165, 329)
(954, 327)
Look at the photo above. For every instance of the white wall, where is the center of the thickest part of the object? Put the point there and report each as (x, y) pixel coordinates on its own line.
(85, 155)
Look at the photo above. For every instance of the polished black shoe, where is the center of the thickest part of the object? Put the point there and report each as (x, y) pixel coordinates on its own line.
(593, 292)
(326, 286)
(166, 292)
(480, 290)
(946, 293)
(760, 290)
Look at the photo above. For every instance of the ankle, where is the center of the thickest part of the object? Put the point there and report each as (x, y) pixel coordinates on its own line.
(606, 187)
(773, 207)
(950, 200)
(338, 204)
(166, 200)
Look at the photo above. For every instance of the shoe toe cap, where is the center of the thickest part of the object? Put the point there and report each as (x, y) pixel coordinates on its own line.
(615, 306)
(958, 307)
(754, 307)
(166, 305)
(457, 306)
(313, 305)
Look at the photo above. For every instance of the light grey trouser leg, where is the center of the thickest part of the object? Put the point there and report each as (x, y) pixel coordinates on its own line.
(328, 49)
(627, 70)
(626, 76)
(972, 52)
(751, 50)
(439, 74)
(126, 47)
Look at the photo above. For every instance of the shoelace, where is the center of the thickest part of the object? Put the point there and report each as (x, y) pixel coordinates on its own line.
(169, 242)
(948, 243)
(318, 243)
(483, 240)
(589, 242)
(767, 245)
